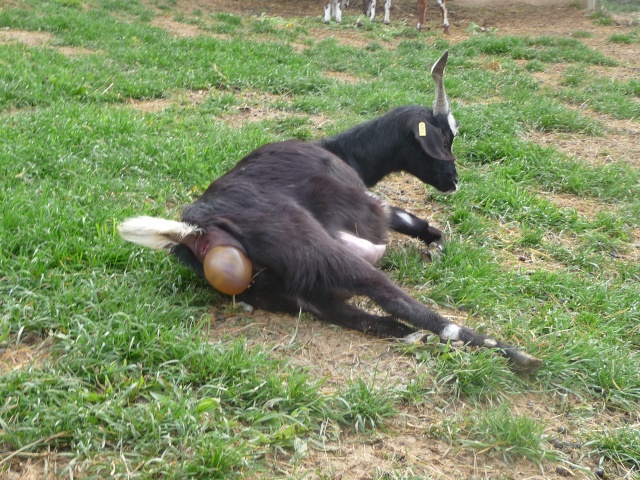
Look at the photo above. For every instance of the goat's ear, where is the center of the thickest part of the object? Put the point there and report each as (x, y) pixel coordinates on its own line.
(431, 141)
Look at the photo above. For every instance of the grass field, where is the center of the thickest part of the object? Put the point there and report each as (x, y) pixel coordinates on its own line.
(117, 362)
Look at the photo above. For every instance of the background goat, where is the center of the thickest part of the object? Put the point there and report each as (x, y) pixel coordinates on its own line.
(333, 9)
(311, 231)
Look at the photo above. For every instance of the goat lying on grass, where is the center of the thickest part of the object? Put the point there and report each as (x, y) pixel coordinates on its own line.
(293, 226)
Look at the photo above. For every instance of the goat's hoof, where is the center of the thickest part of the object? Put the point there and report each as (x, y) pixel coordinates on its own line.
(431, 255)
(415, 338)
(446, 30)
(522, 362)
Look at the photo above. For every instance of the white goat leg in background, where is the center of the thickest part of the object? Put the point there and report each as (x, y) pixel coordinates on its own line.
(333, 8)
(387, 12)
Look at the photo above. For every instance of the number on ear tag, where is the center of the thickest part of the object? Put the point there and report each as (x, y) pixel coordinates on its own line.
(422, 129)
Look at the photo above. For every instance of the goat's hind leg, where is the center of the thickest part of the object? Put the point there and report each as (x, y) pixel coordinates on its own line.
(337, 311)
(400, 305)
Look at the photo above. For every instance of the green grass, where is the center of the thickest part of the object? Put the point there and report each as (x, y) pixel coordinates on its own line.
(135, 384)
(514, 436)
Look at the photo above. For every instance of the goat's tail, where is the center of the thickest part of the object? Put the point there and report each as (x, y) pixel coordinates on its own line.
(156, 233)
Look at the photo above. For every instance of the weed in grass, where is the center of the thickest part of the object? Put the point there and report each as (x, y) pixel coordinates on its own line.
(611, 96)
(477, 375)
(627, 38)
(514, 436)
(602, 18)
(535, 66)
(574, 76)
(582, 34)
(622, 445)
(531, 237)
(366, 406)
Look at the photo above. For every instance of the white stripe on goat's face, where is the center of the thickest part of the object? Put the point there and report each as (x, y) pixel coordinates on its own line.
(453, 124)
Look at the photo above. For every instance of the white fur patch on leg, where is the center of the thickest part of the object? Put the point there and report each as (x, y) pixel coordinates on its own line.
(156, 233)
(406, 218)
(450, 332)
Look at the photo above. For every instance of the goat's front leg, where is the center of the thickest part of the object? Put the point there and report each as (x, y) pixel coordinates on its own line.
(408, 224)
(394, 301)
(387, 12)
(371, 10)
(422, 8)
(445, 19)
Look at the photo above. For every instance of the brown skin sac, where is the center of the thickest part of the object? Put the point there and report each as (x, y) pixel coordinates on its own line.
(226, 264)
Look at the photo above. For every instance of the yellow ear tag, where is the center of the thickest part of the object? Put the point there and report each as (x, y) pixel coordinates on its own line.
(422, 129)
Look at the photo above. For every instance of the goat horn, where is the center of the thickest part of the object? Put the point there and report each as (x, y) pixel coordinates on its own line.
(441, 103)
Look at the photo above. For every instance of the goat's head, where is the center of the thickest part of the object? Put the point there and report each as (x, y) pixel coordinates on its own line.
(434, 130)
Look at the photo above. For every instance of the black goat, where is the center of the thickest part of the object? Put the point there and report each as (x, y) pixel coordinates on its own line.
(311, 230)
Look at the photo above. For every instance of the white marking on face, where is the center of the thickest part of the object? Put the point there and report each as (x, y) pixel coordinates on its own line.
(406, 218)
(453, 125)
(450, 332)
(490, 343)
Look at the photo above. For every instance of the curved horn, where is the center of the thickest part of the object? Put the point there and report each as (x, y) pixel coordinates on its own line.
(441, 103)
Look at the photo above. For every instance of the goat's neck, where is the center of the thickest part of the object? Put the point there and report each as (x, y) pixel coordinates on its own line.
(374, 149)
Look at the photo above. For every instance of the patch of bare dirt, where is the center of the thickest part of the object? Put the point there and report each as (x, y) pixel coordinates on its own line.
(42, 466)
(30, 39)
(24, 355)
(342, 77)
(188, 97)
(325, 350)
(620, 144)
(75, 51)
(39, 39)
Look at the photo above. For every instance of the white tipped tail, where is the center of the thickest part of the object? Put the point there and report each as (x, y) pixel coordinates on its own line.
(156, 233)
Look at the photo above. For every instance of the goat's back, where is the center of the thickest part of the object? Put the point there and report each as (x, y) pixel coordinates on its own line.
(292, 174)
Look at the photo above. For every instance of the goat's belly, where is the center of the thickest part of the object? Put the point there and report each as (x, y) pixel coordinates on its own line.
(362, 248)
